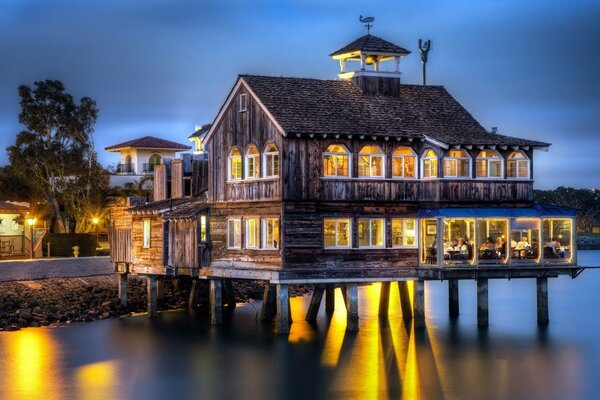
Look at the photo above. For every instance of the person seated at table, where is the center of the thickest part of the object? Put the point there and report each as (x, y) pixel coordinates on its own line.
(522, 247)
(464, 252)
(552, 248)
(448, 249)
(501, 246)
(487, 249)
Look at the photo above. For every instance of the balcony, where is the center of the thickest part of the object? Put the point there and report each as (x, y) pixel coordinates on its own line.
(125, 168)
(149, 168)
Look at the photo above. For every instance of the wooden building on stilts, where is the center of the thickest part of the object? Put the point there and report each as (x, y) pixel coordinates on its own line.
(335, 183)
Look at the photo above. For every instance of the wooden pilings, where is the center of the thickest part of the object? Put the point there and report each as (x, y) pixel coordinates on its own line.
(329, 299)
(453, 303)
(542, 301)
(152, 295)
(194, 294)
(269, 307)
(215, 297)
(419, 304)
(482, 302)
(351, 296)
(282, 319)
(405, 300)
(384, 299)
(122, 288)
(315, 302)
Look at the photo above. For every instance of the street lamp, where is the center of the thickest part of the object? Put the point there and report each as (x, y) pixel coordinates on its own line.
(95, 221)
(31, 223)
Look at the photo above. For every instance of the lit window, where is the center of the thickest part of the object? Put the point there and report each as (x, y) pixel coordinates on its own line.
(457, 164)
(252, 157)
(403, 163)
(517, 165)
(271, 161)
(234, 234)
(252, 233)
(146, 233)
(489, 164)
(404, 232)
(234, 165)
(271, 233)
(336, 233)
(243, 105)
(371, 232)
(203, 228)
(371, 162)
(429, 164)
(336, 161)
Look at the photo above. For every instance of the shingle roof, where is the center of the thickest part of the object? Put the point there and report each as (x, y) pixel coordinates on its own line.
(149, 142)
(8, 206)
(371, 43)
(188, 209)
(201, 132)
(156, 207)
(312, 106)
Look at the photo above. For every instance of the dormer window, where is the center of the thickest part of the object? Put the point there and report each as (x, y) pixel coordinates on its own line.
(271, 161)
(234, 165)
(403, 163)
(336, 161)
(243, 102)
(517, 165)
(489, 164)
(371, 161)
(429, 164)
(457, 164)
(252, 162)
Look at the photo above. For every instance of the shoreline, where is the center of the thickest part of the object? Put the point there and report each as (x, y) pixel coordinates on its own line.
(59, 301)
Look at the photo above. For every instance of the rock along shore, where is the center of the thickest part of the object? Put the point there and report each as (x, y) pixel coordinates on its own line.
(66, 300)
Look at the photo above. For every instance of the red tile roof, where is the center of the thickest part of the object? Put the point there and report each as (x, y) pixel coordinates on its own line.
(149, 142)
(7, 206)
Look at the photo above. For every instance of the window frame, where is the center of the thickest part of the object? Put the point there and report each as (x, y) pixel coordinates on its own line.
(230, 158)
(456, 160)
(146, 233)
(267, 153)
(228, 244)
(371, 156)
(203, 224)
(257, 235)
(525, 159)
(403, 221)
(370, 231)
(424, 159)
(402, 157)
(347, 153)
(337, 221)
(277, 238)
(498, 157)
(243, 102)
(248, 156)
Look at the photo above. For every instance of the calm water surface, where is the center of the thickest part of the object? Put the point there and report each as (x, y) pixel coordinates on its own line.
(180, 356)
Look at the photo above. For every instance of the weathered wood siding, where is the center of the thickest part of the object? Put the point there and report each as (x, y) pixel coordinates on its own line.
(241, 129)
(153, 255)
(220, 254)
(183, 244)
(160, 182)
(199, 177)
(176, 179)
(119, 234)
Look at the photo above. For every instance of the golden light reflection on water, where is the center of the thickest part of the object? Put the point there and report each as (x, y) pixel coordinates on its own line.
(98, 380)
(32, 355)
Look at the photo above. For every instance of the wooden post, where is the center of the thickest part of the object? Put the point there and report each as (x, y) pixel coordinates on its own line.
(122, 288)
(329, 299)
(282, 320)
(542, 301)
(384, 299)
(269, 308)
(194, 294)
(453, 304)
(405, 300)
(351, 296)
(419, 303)
(315, 303)
(216, 301)
(229, 293)
(482, 302)
(160, 289)
(152, 296)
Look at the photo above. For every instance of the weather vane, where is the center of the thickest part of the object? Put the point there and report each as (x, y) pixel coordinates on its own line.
(424, 47)
(368, 21)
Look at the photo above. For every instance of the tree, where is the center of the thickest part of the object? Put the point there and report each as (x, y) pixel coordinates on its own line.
(56, 152)
(14, 186)
(586, 201)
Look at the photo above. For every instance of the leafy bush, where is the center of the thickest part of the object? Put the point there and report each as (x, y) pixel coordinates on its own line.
(61, 244)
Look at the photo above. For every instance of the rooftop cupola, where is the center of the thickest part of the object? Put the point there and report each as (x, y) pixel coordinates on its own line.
(372, 53)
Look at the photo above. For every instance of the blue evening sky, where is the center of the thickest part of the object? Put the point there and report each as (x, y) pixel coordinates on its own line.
(161, 67)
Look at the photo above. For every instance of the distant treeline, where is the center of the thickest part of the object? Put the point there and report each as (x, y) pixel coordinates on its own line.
(586, 201)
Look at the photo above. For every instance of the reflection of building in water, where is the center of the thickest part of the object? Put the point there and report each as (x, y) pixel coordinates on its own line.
(338, 182)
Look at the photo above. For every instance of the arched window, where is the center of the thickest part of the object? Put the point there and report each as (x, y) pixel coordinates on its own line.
(403, 163)
(457, 164)
(489, 164)
(252, 162)
(429, 164)
(127, 166)
(336, 161)
(517, 165)
(371, 162)
(234, 165)
(271, 161)
(155, 159)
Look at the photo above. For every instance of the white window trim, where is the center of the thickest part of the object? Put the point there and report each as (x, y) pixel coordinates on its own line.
(423, 159)
(264, 234)
(371, 246)
(487, 160)
(265, 157)
(406, 246)
(517, 160)
(348, 154)
(456, 159)
(371, 155)
(247, 157)
(402, 157)
(247, 236)
(146, 236)
(228, 230)
(230, 156)
(243, 102)
(337, 220)
(200, 222)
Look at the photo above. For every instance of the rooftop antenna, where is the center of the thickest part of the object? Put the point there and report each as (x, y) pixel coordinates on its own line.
(368, 21)
(424, 47)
